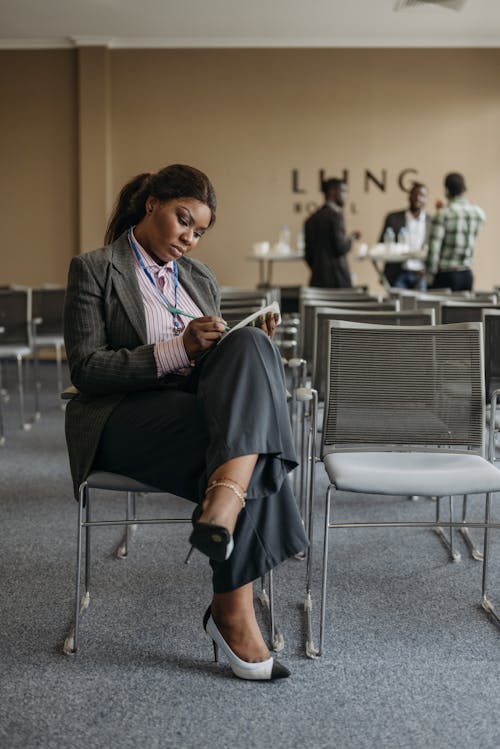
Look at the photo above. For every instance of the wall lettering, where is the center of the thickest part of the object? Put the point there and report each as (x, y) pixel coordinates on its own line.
(370, 177)
(404, 179)
(371, 181)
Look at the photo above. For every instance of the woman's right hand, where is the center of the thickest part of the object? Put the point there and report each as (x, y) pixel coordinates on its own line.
(201, 334)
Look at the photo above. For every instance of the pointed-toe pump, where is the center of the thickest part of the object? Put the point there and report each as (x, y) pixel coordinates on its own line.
(210, 538)
(267, 670)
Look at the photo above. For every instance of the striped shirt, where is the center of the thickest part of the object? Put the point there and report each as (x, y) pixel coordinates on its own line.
(169, 351)
(453, 233)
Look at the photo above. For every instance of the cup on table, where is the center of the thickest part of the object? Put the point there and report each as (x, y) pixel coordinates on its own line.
(261, 248)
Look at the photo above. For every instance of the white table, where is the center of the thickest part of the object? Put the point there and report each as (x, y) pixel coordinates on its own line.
(266, 263)
(380, 254)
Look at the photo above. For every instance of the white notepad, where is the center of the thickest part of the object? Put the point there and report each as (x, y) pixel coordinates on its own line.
(274, 308)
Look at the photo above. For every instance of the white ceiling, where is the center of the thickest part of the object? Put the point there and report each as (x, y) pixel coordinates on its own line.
(246, 23)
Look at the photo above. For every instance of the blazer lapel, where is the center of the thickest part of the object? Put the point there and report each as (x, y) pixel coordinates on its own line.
(126, 286)
(197, 286)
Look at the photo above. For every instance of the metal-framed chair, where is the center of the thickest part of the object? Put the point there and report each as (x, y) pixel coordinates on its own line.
(17, 340)
(490, 318)
(393, 426)
(113, 482)
(491, 326)
(47, 311)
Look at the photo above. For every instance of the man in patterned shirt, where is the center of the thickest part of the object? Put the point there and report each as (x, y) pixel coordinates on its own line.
(453, 234)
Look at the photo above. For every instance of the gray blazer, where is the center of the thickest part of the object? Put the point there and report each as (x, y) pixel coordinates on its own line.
(105, 338)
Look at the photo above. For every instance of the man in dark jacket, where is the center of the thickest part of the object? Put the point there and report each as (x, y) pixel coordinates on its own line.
(326, 243)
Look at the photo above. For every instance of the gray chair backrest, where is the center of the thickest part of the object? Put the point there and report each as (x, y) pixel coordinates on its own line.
(475, 296)
(309, 306)
(48, 306)
(408, 297)
(15, 317)
(230, 294)
(412, 388)
(308, 293)
(314, 291)
(323, 316)
(430, 302)
(454, 312)
(491, 329)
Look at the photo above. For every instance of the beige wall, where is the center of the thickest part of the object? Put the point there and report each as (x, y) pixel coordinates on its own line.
(247, 117)
(38, 174)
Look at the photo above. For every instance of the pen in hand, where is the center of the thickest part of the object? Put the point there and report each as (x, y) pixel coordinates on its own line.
(177, 311)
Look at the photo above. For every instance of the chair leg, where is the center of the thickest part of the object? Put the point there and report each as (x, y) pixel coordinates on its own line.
(59, 369)
(475, 553)
(267, 602)
(311, 650)
(71, 642)
(20, 388)
(37, 387)
(304, 459)
(448, 543)
(485, 601)
(122, 548)
(324, 574)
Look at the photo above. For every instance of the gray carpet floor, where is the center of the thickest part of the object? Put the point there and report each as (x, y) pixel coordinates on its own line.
(410, 659)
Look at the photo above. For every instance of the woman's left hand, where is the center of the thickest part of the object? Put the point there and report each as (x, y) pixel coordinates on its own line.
(268, 323)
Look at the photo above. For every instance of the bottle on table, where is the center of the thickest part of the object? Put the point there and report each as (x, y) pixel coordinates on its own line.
(403, 237)
(389, 238)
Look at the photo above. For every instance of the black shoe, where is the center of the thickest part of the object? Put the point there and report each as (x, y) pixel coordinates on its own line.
(211, 539)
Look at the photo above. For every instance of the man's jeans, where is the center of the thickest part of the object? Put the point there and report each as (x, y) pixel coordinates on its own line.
(410, 279)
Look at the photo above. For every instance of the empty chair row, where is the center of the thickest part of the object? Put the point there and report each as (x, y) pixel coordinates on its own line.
(31, 319)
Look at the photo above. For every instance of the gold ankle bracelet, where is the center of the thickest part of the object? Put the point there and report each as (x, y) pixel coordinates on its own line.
(229, 484)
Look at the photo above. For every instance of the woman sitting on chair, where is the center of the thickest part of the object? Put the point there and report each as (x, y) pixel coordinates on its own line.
(167, 399)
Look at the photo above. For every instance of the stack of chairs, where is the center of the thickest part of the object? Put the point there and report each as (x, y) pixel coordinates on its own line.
(16, 344)
(31, 319)
(237, 303)
(48, 312)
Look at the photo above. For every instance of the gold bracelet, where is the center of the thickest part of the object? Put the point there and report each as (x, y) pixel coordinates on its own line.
(225, 482)
(228, 478)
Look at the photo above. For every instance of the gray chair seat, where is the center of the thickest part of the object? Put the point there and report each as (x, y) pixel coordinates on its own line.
(119, 483)
(7, 351)
(49, 340)
(402, 473)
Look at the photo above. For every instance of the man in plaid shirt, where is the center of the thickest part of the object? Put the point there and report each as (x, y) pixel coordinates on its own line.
(453, 234)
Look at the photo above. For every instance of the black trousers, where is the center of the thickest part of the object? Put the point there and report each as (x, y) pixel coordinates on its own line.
(232, 404)
(456, 280)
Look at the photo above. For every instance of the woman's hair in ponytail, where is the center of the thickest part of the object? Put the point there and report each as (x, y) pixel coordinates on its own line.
(174, 181)
(130, 207)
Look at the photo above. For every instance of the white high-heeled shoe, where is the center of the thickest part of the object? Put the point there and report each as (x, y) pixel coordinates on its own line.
(267, 670)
